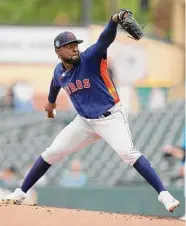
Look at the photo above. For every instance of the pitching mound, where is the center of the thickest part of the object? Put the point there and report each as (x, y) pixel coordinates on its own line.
(11, 215)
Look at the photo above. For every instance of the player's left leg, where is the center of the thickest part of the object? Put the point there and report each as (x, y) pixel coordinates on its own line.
(114, 129)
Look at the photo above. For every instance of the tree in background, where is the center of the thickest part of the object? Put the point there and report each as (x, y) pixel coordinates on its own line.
(62, 12)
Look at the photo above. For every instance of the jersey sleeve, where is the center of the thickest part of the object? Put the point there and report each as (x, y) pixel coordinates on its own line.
(54, 89)
(99, 49)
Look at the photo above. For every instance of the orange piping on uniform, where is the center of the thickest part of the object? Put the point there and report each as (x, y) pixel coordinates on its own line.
(108, 82)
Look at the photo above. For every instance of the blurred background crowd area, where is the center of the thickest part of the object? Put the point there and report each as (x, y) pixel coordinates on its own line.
(149, 76)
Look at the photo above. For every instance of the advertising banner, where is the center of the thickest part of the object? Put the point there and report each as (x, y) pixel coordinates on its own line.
(22, 44)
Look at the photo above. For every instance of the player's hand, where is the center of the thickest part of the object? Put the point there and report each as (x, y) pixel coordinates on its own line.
(167, 149)
(129, 24)
(121, 15)
(50, 109)
(118, 16)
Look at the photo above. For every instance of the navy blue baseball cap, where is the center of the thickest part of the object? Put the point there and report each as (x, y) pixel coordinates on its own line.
(65, 38)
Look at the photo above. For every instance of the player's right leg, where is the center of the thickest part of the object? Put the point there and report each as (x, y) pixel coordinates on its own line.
(71, 139)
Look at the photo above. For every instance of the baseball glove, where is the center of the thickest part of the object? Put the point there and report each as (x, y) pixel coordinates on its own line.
(129, 24)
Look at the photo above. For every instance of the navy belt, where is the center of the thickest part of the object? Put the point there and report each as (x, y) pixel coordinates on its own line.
(105, 114)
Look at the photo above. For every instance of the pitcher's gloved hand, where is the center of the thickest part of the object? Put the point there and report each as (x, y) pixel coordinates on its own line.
(129, 24)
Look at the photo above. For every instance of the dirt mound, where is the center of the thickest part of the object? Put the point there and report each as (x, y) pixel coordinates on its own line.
(11, 215)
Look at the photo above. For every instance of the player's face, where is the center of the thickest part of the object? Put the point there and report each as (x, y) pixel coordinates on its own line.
(69, 53)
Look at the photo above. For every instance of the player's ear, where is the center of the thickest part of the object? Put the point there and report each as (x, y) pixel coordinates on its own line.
(56, 50)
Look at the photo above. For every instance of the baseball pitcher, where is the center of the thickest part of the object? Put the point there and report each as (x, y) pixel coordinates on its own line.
(85, 79)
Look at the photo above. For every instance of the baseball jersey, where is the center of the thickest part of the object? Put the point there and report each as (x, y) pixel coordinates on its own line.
(88, 84)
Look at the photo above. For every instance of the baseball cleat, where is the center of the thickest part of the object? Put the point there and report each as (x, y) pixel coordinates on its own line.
(168, 201)
(183, 218)
(15, 198)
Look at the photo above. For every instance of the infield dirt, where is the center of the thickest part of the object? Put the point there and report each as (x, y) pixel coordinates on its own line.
(11, 215)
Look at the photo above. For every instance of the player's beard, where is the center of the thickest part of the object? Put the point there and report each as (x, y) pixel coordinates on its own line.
(73, 61)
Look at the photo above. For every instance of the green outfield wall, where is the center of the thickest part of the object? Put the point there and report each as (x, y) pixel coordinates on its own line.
(133, 200)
